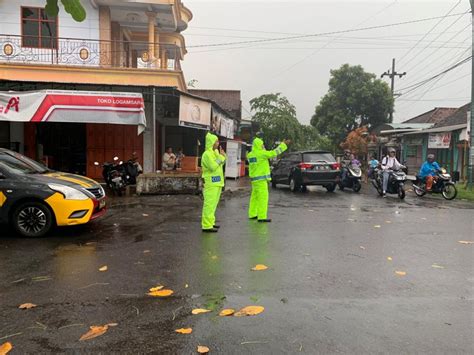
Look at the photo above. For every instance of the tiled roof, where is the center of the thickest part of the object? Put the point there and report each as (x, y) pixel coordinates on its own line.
(456, 118)
(433, 116)
(229, 100)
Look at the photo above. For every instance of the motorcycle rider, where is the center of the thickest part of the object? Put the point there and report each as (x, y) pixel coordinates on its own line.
(259, 171)
(389, 162)
(212, 162)
(428, 171)
(345, 162)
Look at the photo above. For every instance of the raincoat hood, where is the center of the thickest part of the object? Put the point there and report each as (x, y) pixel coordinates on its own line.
(257, 144)
(210, 140)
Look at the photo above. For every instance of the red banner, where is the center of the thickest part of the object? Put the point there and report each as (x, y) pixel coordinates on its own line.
(73, 106)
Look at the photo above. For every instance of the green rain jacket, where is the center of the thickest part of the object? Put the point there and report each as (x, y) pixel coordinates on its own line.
(259, 167)
(212, 162)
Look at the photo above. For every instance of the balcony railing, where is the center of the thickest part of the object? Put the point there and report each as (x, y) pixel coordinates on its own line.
(85, 52)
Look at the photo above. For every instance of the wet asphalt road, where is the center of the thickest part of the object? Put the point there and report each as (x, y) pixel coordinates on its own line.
(330, 287)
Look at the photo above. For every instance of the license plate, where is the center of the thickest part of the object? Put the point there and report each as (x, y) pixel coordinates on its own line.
(102, 204)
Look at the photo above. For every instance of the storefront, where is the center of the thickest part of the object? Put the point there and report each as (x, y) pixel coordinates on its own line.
(70, 130)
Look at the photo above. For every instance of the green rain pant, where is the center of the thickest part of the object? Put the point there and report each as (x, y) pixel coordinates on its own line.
(212, 195)
(258, 206)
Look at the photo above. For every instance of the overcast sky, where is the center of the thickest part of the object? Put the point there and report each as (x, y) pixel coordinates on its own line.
(299, 68)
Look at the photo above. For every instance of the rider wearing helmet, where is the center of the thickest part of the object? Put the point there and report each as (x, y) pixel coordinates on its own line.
(428, 171)
(389, 162)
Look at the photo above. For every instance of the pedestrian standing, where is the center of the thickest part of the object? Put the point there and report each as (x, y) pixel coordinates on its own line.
(259, 171)
(212, 161)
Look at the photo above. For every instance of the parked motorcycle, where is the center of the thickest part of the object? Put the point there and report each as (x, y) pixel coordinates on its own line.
(442, 184)
(352, 178)
(396, 182)
(113, 175)
(118, 175)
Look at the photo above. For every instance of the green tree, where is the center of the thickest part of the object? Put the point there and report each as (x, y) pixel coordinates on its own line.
(355, 99)
(276, 118)
(72, 7)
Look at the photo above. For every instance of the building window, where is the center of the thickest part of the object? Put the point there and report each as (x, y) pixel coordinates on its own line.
(412, 151)
(38, 30)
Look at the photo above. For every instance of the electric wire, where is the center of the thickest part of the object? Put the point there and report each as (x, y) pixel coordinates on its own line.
(400, 60)
(325, 33)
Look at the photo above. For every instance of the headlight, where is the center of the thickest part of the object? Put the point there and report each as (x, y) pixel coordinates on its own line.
(69, 193)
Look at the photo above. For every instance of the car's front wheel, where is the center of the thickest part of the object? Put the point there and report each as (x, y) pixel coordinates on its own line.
(331, 187)
(32, 219)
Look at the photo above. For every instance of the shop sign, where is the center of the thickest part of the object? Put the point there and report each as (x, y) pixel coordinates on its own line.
(439, 141)
(194, 113)
(73, 106)
(222, 125)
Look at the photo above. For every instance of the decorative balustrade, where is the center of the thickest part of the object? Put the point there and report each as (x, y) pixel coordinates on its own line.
(82, 52)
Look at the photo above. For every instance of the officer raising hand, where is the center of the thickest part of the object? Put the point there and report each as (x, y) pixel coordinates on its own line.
(259, 171)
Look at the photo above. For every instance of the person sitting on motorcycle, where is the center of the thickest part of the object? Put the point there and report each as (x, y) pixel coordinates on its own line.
(354, 161)
(373, 164)
(345, 162)
(428, 171)
(389, 162)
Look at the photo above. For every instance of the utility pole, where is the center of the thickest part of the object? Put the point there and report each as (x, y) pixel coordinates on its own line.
(470, 168)
(392, 74)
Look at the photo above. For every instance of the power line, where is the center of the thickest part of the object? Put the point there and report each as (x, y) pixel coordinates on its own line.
(428, 56)
(324, 33)
(423, 82)
(431, 30)
(456, 55)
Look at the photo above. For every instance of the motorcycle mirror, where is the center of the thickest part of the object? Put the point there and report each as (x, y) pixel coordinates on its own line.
(96, 163)
(116, 158)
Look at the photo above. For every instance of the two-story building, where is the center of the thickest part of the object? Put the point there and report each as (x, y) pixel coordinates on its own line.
(88, 91)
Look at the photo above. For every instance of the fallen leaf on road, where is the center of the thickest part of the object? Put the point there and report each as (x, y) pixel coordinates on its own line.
(146, 251)
(466, 242)
(388, 222)
(249, 311)
(311, 210)
(27, 306)
(436, 266)
(145, 215)
(202, 349)
(214, 257)
(400, 273)
(259, 267)
(186, 286)
(351, 220)
(184, 330)
(5, 348)
(95, 331)
(363, 248)
(227, 312)
(389, 258)
(156, 288)
(377, 226)
(200, 310)
(161, 293)
(103, 268)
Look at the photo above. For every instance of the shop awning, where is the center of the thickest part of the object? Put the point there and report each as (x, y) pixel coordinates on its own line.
(73, 106)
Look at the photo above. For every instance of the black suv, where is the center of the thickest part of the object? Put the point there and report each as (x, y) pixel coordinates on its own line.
(300, 169)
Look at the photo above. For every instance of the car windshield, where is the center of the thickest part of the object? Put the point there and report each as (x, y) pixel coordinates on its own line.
(318, 158)
(19, 164)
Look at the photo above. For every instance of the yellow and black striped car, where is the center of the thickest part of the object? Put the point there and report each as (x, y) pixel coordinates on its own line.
(33, 199)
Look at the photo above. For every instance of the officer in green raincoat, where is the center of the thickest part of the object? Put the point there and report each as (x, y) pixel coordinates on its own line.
(212, 161)
(259, 171)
